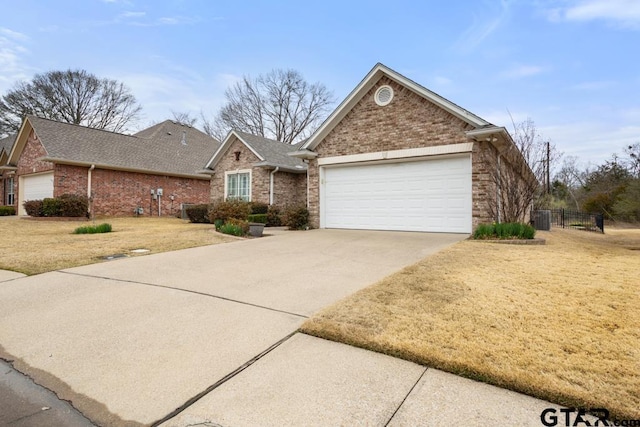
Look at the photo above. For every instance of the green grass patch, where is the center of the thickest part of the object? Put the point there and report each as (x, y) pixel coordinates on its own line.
(507, 230)
(93, 229)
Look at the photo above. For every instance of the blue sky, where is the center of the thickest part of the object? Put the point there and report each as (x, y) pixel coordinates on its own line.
(572, 66)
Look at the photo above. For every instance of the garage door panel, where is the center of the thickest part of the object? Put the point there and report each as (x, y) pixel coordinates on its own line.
(37, 187)
(428, 195)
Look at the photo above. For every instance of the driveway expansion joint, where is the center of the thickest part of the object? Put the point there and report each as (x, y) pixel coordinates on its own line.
(221, 381)
(185, 290)
(407, 396)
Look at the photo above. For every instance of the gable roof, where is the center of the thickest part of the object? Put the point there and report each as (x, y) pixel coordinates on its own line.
(167, 148)
(378, 71)
(6, 143)
(271, 153)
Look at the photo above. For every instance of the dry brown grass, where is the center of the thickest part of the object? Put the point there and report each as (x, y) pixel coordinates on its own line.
(559, 322)
(33, 247)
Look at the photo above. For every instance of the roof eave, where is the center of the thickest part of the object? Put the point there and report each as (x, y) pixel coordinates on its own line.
(211, 164)
(281, 168)
(304, 154)
(122, 168)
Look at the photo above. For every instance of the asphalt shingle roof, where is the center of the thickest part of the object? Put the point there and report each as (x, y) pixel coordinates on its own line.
(6, 143)
(274, 153)
(168, 147)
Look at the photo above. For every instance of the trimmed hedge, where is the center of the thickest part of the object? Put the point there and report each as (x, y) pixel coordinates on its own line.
(297, 218)
(274, 218)
(66, 205)
(198, 214)
(33, 207)
(7, 210)
(258, 208)
(261, 218)
(229, 209)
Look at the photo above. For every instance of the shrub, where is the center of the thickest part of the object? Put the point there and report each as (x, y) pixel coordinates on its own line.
(198, 214)
(261, 218)
(235, 227)
(258, 208)
(296, 218)
(7, 210)
(507, 230)
(33, 207)
(73, 205)
(70, 205)
(51, 207)
(273, 217)
(93, 229)
(230, 209)
(218, 223)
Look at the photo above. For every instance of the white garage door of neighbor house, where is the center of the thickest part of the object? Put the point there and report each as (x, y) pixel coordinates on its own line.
(427, 195)
(37, 187)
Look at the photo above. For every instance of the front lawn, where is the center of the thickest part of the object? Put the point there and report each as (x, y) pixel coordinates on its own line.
(559, 321)
(33, 247)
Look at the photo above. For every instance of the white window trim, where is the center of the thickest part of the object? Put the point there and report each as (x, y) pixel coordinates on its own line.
(437, 150)
(236, 172)
(11, 192)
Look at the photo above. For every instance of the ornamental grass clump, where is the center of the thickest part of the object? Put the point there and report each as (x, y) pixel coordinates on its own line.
(93, 229)
(507, 230)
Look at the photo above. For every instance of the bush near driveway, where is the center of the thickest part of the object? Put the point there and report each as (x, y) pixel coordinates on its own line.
(558, 322)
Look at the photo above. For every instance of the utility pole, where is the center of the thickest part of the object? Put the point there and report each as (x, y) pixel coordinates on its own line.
(548, 167)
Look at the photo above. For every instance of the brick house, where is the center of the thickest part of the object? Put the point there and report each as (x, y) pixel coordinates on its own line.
(258, 169)
(7, 187)
(118, 172)
(396, 156)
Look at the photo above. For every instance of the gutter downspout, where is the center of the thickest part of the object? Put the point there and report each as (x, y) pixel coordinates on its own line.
(273, 172)
(91, 168)
(499, 191)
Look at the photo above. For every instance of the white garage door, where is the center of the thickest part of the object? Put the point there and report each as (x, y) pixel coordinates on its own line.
(37, 187)
(428, 195)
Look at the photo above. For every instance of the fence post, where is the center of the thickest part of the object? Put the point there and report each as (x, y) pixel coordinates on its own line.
(562, 217)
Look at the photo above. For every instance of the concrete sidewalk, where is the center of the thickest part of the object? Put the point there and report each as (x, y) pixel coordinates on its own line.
(208, 335)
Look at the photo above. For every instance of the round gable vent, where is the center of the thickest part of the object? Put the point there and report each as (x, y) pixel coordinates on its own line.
(383, 95)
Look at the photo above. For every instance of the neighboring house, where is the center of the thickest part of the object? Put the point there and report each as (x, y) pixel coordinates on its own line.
(7, 177)
(118, 172)
(253, 168)
(396, 156)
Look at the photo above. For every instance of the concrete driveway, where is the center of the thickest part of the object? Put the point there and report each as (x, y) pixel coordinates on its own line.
(137, 340)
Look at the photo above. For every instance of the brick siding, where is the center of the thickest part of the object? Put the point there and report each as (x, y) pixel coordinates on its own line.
(114, 193)
(409, 121)
(289, 189)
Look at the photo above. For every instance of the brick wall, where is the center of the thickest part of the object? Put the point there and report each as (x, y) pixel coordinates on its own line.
(28, 162)
(409, 121)
(289, 189)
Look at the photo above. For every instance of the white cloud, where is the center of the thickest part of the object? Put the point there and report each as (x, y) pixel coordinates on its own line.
(593, 86)
(622, 13)
(482, 27)
(12, 58)
(505, 118)
(593, 141)
(132, 14)
(520, 71)
(442, 81)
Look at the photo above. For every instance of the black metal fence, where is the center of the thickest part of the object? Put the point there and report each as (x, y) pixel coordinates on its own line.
(579, 220)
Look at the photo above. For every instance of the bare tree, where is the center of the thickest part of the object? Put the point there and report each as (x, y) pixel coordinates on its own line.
(72, 96)
(280, 105)
(517, 171)
(184, 118)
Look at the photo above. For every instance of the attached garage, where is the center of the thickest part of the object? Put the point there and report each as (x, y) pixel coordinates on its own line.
(35, 187)
(431, 195)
